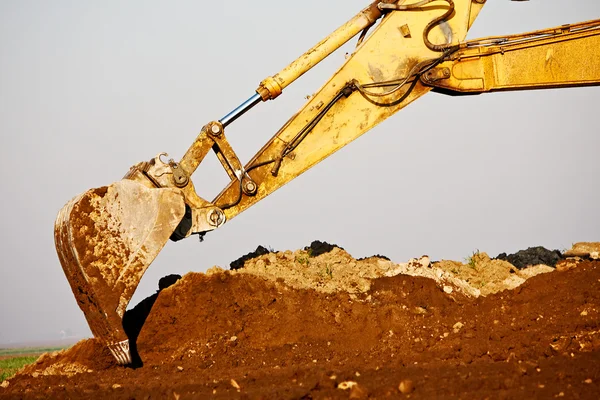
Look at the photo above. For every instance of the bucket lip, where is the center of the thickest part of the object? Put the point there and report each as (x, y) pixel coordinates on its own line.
(106, 238)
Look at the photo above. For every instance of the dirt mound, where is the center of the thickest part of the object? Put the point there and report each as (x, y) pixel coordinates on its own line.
(589, 250)
(236, 334)
(486, 276)
(532, 256)
(86, 356)
(337, 271)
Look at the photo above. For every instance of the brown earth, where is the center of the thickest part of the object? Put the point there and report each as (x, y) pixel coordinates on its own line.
(289, 325)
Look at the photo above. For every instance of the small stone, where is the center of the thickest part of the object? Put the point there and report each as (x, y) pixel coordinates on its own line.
(457, 327)
(588, 381)
(35, 374)
(448, 289)
(584, 313)
(357, 373)
(214, 270)
(179, 368)
(406, 386)
(235, 384)
(561, 394)
(116, 386)
(346, 385)
(419, 311)
(425, 261)
(4, 384)
(233, 338)
(541, 386)
(90, 371)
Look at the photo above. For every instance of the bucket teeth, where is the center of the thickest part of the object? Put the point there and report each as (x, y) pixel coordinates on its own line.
(121, 352)
(105, 239)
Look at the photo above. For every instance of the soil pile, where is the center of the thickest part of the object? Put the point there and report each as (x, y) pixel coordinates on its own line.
(245, 334)
(328, 268)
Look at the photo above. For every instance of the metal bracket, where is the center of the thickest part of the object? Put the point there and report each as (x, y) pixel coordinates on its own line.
(436, 74)
(230, 161)
(207, 219)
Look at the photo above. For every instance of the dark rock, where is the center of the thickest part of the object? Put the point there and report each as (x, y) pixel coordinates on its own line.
(239, 263)
(532, 256)
(375, 256)
(317, 248)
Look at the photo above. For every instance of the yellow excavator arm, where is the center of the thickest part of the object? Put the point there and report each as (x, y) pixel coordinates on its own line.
(107, 237)
(395, 65)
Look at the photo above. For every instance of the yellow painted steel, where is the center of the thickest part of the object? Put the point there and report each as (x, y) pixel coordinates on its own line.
(386, 54)
(568, 55)
(272, 86)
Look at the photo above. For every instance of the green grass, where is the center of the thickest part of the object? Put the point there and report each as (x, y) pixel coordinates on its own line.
(303, 259)
(19, 357)
(9, 366)
(29, 350)
(471, 260)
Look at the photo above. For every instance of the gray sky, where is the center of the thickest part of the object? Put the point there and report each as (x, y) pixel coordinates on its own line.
(87, 89)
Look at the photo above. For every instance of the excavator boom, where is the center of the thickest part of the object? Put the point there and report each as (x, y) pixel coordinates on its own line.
(106, 238)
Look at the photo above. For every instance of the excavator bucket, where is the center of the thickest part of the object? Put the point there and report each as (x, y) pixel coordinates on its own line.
(106, 238)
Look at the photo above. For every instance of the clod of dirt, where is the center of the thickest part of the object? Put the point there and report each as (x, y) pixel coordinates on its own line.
(532, 256)
(317, 248)
(375, 256)
(239, 263)
(358, 392)
(585, 250)
(406, 386)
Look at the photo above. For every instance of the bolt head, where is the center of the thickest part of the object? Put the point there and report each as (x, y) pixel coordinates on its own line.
(250, 186)
(215, 129)
(214, 217)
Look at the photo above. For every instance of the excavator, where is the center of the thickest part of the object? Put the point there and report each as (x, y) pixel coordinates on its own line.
(107, 237)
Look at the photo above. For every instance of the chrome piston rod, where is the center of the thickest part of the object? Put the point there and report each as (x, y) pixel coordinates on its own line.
(240, 110)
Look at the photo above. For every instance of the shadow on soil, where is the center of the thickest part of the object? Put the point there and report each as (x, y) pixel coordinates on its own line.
(134, 319)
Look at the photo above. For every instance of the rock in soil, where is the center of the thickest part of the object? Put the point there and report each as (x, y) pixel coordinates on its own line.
(532, 256)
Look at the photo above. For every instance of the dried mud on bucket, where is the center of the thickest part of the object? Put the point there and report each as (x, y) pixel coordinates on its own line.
(322, 324)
